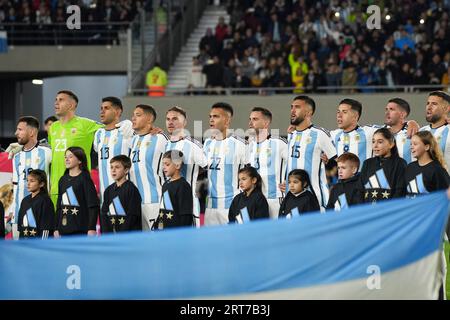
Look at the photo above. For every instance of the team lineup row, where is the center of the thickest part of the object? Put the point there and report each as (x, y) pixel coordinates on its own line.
(308, 148)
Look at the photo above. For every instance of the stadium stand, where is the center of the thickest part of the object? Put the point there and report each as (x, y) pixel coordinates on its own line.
(309, 44)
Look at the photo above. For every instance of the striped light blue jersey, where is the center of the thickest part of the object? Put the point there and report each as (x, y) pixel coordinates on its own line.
(269, 157)
(193, 158)
(404, 144)
(108, 144)
(442, 136)
(304, 151)
(39, 157)
(225, 158)
(146, 165)
(358, 141)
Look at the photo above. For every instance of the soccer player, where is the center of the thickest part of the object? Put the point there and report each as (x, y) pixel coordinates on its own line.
(225, 154)
(111, 140)
(306, 144)
(347, 191)
(176, 208)
(77, 207)
(32, 156)
(70, 130)
(351, 137)
(37, 213)
(396, 112)
(193, 156)
(383, 176)
(428, 173)
(268, 154)
(121, 209)
(438, 106)
(300, 198)
(146, 154)
(250, 204)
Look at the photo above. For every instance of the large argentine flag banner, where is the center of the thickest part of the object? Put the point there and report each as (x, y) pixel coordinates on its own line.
(388, 251)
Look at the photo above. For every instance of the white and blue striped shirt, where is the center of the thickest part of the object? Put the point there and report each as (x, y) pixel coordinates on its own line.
(39, 157)
(146, 165)
(304, 151)
(193, 158)
(269, 157)
(357, 141)
(443, 139)
(108, 144)
(225, 158)
(404, 144)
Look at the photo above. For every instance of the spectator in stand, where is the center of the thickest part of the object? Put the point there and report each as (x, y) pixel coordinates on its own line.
(214, 75)
(196, 78)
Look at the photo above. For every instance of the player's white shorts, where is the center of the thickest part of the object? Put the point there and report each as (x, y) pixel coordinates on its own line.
(216, 217)
(274, 207)
(150, 212)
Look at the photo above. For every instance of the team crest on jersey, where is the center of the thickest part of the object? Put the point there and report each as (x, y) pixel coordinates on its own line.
(74, 130)
(37, 160)
(309, 140)
(106, 141)
(138, 144)
(269, 150)
(115, 141)
(346, 139)
(216, 150)
(63, 133)
(357, 138)
(147, 143)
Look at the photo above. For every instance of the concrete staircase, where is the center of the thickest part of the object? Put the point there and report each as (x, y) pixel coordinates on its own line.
(149, 38)
(177, 76)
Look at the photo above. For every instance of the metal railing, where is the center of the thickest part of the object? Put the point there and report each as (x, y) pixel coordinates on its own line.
(294, 90)
(169, 43)
(91, 33)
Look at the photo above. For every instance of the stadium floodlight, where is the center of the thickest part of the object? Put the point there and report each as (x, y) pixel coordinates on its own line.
(388, 17)
(337, 14)
(422, 21)
(38, 82)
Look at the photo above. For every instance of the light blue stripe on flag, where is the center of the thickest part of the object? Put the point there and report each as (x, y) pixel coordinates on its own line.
(293, 248)
(72, 198)
(295, 212)
(167, 203)
(118, 206)
(31, 219)
(244, 214)
(382, 179)
(343, 201)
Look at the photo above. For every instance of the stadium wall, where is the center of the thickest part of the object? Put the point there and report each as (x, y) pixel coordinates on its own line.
(197, 108)
(60, 59)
